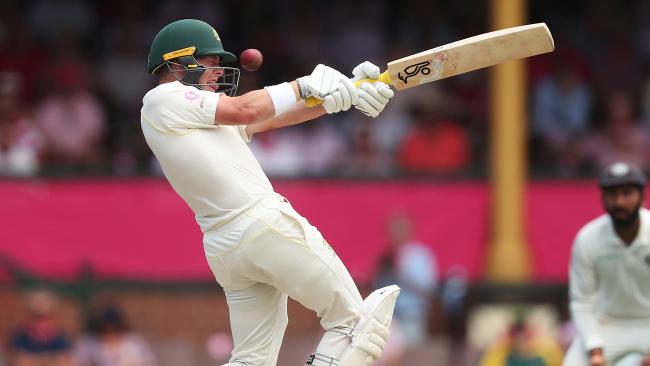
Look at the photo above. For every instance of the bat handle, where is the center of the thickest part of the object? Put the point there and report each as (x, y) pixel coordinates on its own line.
(384, 77)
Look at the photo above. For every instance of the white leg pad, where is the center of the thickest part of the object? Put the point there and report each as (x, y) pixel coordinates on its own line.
(372, 330)
(632, 359)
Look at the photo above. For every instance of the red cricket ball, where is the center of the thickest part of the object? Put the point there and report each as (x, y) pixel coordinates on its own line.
(251, 59)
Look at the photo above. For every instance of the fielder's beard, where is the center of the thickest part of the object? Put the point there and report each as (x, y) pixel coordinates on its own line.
(628, 220)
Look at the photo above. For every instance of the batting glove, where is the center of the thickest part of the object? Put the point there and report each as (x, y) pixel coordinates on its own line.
(343, 98)
(336, 91)
(365, 70)
(373, 98)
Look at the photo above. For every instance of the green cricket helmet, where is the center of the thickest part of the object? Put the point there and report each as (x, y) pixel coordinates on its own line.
(181, 43)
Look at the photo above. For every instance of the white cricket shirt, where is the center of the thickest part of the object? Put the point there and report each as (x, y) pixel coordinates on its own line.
(609, 280)
(210, 166)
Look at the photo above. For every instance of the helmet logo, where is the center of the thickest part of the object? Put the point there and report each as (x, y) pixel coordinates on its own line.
(619, 169)
(187, 51)
(216, 35)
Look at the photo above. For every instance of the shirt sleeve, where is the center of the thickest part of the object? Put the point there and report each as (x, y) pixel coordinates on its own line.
(242, 132)
(181, 110)
(583, 285)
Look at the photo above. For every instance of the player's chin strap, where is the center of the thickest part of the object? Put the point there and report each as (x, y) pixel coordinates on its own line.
(369, 336)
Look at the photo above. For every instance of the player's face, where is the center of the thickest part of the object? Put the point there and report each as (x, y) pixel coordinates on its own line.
(211, 74)
(622, 203)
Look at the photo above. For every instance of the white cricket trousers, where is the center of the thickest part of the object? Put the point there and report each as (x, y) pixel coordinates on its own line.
(620, 337)
(278, 255)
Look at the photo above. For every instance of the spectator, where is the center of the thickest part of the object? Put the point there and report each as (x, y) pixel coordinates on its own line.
(71, 118)
(373, 143)
(125, 147)
(310, 149)
(321, 148)
(40, 340)
(21, 142)
(619, 66)
(112, 343)
(523, 346)
(453, 299)
(365, 157)
(436, 144)
(605, 47)
(362, 39)
(620, 138)
(567, 329)
(412, 266)
(521, 352)
(562, 104)
(20, 53)
(278, 152)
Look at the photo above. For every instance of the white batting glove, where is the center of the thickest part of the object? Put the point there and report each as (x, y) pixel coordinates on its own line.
(324, 81)
(365, 70)
(373, 97)
(343, 98)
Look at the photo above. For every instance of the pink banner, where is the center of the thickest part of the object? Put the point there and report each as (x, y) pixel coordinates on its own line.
(556, 210)
(352, 216)
(141, 229)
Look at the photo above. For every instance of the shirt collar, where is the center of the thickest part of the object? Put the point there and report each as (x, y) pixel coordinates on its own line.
(643, 236)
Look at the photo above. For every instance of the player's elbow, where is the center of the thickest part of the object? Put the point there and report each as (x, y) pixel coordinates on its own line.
(233, 111)
(247, 116)
(244, 115)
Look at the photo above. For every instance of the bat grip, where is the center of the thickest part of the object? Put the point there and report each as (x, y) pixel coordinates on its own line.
(384, 77)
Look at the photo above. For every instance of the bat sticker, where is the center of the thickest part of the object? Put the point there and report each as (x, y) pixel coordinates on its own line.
(412, 70)
(439, 61)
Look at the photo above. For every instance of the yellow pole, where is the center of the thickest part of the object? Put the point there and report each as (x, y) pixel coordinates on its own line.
(508, 259)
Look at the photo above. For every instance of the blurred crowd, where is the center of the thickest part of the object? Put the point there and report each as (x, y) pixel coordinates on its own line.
(73, 73)
(40, 339)
(433, 305)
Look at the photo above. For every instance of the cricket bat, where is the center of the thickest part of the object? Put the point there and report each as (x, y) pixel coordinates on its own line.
(463, 56)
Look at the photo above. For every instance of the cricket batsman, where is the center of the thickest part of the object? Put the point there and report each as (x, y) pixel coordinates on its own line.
(609, 278)
(259, 248)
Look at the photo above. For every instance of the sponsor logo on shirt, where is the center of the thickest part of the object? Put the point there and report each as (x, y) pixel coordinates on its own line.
(191, 95)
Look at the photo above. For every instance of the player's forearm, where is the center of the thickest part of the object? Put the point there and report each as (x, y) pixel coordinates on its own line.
(253, 107)
(298, 114)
